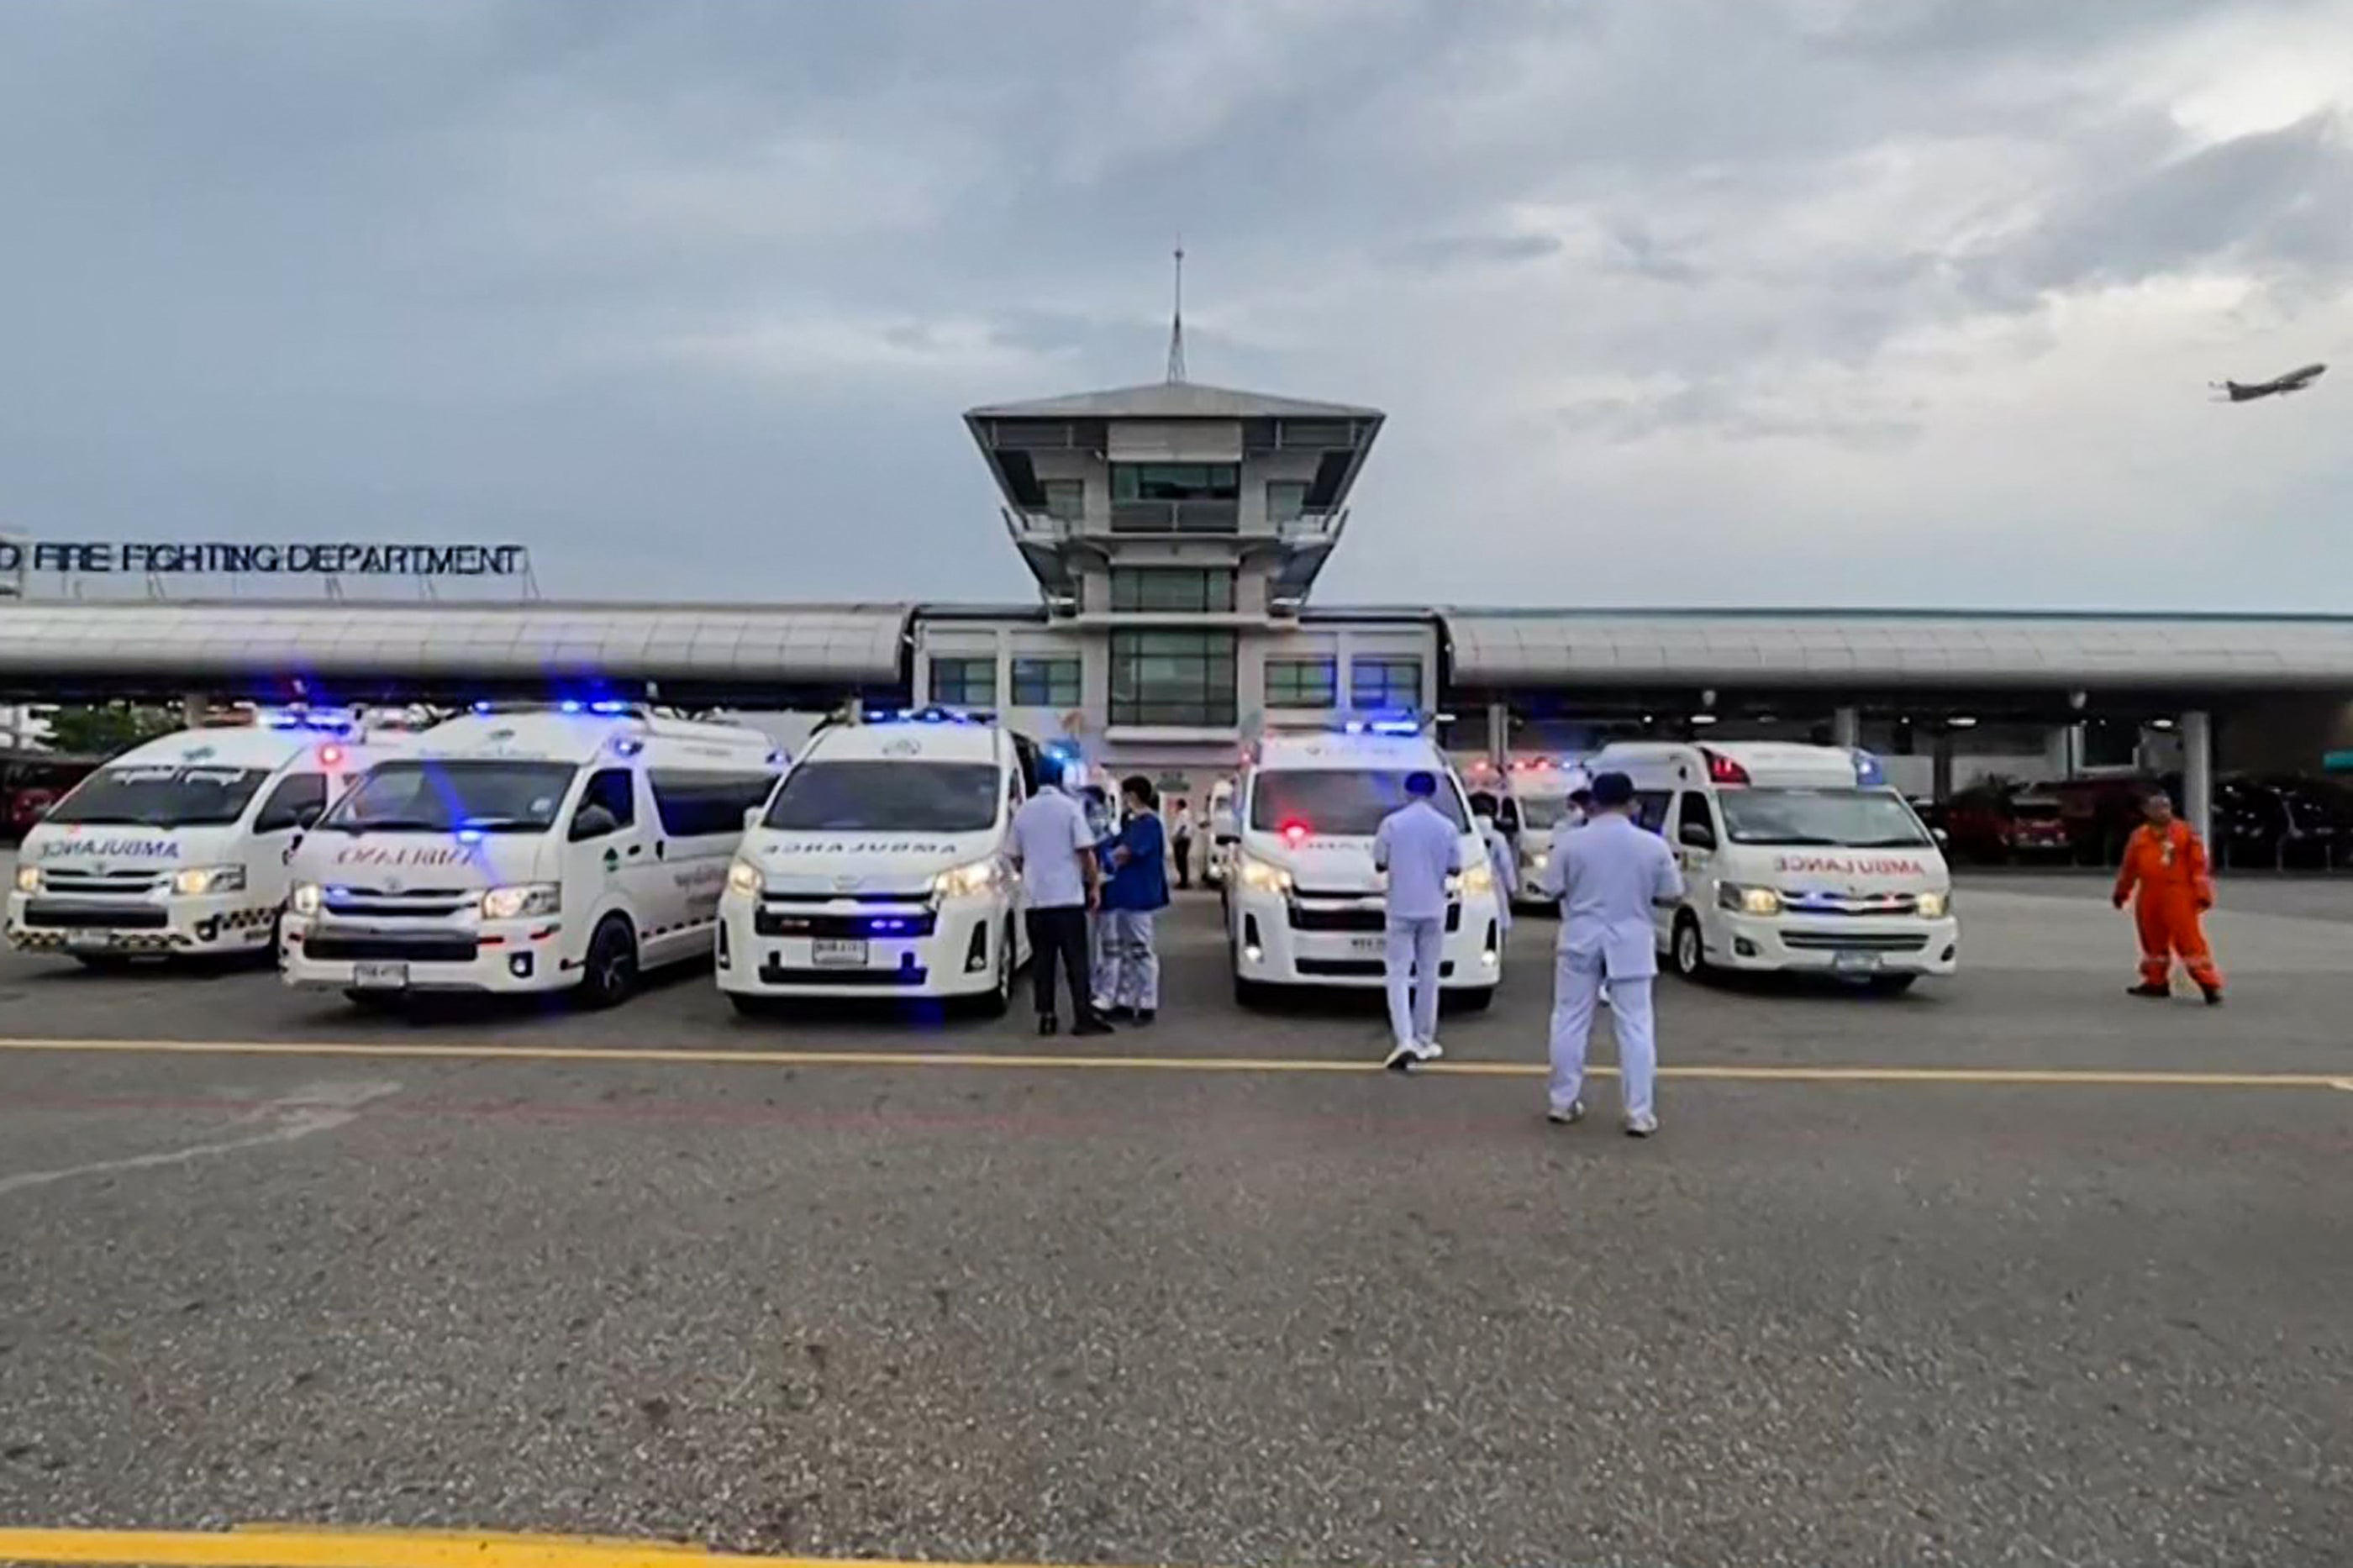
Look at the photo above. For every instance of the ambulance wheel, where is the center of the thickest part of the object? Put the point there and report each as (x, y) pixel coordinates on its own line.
(1477, 1001)
(103, 963)
(1889, 984)
(998, 1000)
(750, 1006)
(1252, 993)
(611, 972)
(1685, 950)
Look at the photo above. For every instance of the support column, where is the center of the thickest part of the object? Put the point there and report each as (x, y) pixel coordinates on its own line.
(1940, 776)
(2198, 774)
(193, 707)
(1499, 735)
(1846, 728)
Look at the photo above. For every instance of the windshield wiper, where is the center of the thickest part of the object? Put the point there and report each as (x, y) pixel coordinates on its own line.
(1798, 838)
(1889, 844)
(390, 824)
(505, 825)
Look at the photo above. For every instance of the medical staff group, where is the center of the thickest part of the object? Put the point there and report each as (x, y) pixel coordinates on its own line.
(1607, 874)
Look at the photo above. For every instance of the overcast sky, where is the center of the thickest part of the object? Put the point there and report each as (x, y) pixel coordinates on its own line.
(1874, 302)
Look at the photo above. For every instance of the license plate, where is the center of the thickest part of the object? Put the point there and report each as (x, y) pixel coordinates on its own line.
(838, 953)
(90, 942)
(1854, 963)
(1368, 946)
(380, 976)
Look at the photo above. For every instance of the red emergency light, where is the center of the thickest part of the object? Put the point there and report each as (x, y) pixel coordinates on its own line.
(1722, 769)
(330, 754)
(1295, 833)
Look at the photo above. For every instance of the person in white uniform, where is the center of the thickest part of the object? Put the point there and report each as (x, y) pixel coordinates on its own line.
(1419, 850)
(1500, 859)
(1608, 875)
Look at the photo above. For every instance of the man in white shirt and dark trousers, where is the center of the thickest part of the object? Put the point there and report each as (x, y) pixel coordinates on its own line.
(1055, 850)
(1607, 874)
(1419, 851)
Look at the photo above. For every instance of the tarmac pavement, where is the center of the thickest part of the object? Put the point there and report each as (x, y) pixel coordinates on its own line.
(867, 1281)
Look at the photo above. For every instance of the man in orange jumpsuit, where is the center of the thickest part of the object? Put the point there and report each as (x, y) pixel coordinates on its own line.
(2166, 864)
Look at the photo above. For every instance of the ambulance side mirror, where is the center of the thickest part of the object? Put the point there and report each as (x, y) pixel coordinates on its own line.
(1940, 836)
(1697, 835)
(750, 818)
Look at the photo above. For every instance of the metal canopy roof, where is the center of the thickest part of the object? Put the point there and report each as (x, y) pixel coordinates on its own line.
(812, 645)
(1171, 400)
(1499, 649)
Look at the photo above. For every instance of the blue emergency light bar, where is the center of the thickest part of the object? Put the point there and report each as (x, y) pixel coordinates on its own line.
(934, 714)
(1867, 768)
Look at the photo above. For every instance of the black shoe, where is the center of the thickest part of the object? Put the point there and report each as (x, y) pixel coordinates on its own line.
(1049, 1024)
(1141, 1017)
(2145, 989)
(2213, 994)
(1091, 1026)
(1119, 1014)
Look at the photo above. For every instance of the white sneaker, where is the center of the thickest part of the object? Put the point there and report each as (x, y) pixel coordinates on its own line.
(1569, 1118)
(1428, 1050)
(1402, 1057)
(1642, 1126)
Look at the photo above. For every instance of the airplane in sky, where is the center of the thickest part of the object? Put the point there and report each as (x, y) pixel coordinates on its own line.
(2248, 391)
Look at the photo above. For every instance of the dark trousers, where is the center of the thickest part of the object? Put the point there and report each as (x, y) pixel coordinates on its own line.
(1058, 939)
(1183, 859)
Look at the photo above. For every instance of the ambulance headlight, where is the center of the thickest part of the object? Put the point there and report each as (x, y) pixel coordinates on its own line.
(745, 878)
(1538, 859)
(1748, 901)
(1477, 880)
(305, 899)
(1264, 876)
(1934, 906)
(28, 878)
(196, 881)
(967, 881)
(516, 903)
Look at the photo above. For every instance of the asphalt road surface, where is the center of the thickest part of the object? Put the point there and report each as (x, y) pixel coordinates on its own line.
(866, 1282)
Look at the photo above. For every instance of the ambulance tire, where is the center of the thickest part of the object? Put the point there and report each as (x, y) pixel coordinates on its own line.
(1477, 1001)
(611, 972)
(998, 1000)
(750, 1006)
(1252, 993)
(1687, 951)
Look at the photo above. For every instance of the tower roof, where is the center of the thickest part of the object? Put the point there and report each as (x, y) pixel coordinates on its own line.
(1172, 400)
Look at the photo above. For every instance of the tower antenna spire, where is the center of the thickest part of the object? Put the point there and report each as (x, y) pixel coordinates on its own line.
(1176, 320)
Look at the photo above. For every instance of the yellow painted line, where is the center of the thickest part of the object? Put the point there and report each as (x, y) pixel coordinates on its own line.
(1035, 1062)
(292, 1546)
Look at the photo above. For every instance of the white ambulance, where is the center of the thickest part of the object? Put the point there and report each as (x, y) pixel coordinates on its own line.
(879, 868)
(1305, 905)
(1794, 857)
(179, 848)
(1532, 796)
(526, 849)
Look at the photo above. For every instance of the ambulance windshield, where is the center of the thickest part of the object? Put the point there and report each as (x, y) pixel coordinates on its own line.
(1848, 818)
(887, 797)
(489, 796)
(1339, 802)
(162, 796)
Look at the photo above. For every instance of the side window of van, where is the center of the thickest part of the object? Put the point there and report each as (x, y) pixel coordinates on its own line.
(1650, 809)
(700, 804)
(614, 790)
(1694, 814)
(296, 796)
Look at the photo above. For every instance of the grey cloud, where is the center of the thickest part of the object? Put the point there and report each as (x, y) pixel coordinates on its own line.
(1445, 253)
(1728, 411)
(2274, 200)
(427, 268)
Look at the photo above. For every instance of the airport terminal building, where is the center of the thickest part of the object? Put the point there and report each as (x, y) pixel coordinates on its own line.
(1175, 532)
